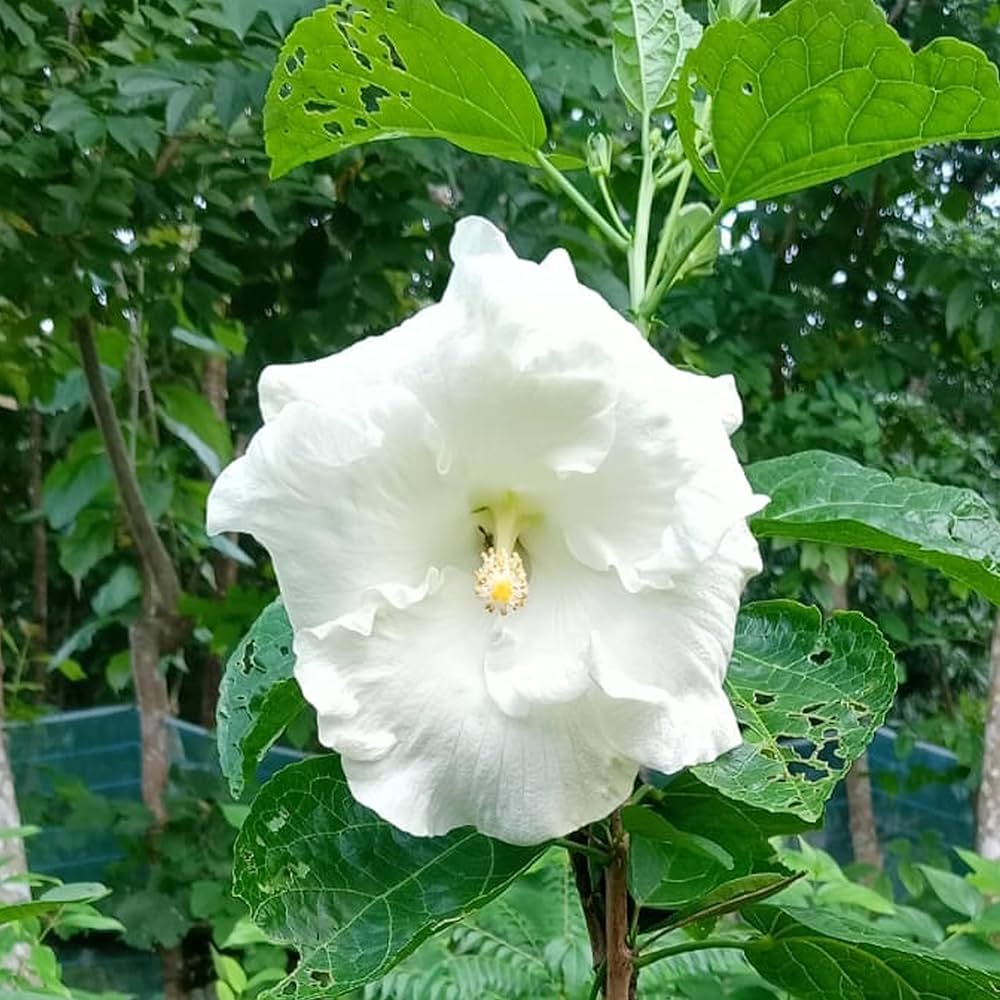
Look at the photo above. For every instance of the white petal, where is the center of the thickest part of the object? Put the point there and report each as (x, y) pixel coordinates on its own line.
(657, 658)
(557, 265)
(425, 745)
(352, 507)
(341, 379)
(478, 237)
(671, 486)
(664, 654)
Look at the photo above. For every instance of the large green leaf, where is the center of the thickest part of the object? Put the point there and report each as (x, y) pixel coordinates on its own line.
(809, 696)
(353, 894)
(190, 417)
(258, 696)
(383, 69)
(819, 497)
(651, 39)
(823, 89)
(694, 840)
(815, 954)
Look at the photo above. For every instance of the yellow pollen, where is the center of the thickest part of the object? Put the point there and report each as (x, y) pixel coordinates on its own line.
(501, 582)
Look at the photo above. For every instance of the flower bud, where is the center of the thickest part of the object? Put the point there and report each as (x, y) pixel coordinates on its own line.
(599, 153)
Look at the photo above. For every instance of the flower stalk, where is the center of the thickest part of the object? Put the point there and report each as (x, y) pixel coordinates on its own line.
(621, 969)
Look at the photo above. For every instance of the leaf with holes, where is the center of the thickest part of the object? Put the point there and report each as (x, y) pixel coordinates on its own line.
(809, 696)
(385, 69)
(823, 89)
(258, 696)
(651, 39)
(353, 894)
(815, 953)
(819, 497)
(689, 840)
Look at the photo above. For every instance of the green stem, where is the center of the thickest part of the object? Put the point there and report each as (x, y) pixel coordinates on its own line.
(640, 241)
(609, 202)
(669, 227)
(653, 299)
(574, 195)
(578, 848)
(686, 946)
(641, 793)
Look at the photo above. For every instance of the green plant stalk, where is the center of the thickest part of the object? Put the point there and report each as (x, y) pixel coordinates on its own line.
(669, 227)
(609, 202)
(653, 298)
(592, 852)
(682, 949)
(640, 241)
(574, 194)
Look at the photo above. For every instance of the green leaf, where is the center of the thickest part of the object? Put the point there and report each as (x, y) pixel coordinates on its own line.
(258, 696)
(384, 69)
(182, 106)
(353, 894)
(67, 112)
(121, 588)
(671, 873)
(651, 39)
(134, 135)
(53, 899)
(229, 971)
(809, 696)
(647, 824)
(823, 89)
(814, 954)
(199, 341)
(699, 262)
(819, 497)
(89, 540)
(72, 670)
(961, 306)
(75, 481)
(954, 892)
(118, 671)
(13, 22)
(985, 874)
(733, 896)
(190, 417)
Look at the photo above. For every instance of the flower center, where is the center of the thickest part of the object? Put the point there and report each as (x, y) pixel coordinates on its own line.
(501, 582)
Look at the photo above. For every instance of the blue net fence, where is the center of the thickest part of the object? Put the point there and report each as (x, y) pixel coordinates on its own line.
(100, 749)
(917, 795)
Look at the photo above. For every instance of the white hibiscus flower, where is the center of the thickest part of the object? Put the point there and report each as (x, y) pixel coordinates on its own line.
(511, 540)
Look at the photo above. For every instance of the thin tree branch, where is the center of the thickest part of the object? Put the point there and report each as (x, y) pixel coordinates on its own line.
(897, 11)
(591, 904)
(155, 562)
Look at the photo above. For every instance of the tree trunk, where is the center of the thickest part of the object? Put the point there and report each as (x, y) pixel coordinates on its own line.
(12, 849)
(858, 785)
(12, 857)
(214, 387)
(988, 806)
(153, 703)
(861, 813)
(160, 629)
(40, 557)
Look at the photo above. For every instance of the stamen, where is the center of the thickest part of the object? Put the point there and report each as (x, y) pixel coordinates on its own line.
(501, 582)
